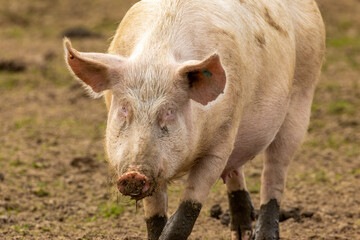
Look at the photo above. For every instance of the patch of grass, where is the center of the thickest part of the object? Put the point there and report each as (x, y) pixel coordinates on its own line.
(102, 126)
(24, 123)
(37, 165)
(316, 176)
(111, 210)
(9, 81)
(253, 185)
(345, 25)
(355, 171)
(41, 193)
(106, 24)
(73, 125)
(23, 171)
(23, 229)
(15, 32)
(315, 143)
(342, 107)
(335, 141)
(332, 86)
(353, 151)
(217, 186)
(58, 75)
(316, 124)
(41, 190)
(344, 41)
(45, 229)
(59, 184)
(16, 163)
(321, 176)
(11, 209)
(338, 177)
(91, 219)
(315, 107)
(175, 189)
(358, 222)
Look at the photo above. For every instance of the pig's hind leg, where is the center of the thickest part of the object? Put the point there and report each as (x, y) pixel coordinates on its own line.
(241, 208)
(277, 159)
(155, 207)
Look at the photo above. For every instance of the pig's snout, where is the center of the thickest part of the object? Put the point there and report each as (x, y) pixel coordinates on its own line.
(134, 184)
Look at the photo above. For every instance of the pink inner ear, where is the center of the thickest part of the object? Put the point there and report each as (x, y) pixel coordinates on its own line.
(90, 72)
(207, 80)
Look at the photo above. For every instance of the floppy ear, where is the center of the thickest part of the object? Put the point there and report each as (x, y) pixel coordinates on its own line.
(206, 79)
(98, 71)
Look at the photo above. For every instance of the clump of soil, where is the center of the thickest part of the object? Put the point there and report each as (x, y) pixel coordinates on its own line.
(12, 66)
(80, 32)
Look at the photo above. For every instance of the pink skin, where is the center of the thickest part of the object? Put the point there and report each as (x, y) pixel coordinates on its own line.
(229, 175)
(133, 178)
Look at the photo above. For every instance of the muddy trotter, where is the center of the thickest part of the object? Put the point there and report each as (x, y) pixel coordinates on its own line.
(200, 88)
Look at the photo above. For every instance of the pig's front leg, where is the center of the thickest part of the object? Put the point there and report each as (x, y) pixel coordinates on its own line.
(155, 208)
(200, 180)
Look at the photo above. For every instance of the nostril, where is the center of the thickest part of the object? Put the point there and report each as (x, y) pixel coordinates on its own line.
(133, 184)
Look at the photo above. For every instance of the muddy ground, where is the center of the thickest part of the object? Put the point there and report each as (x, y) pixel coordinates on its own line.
(55, 182)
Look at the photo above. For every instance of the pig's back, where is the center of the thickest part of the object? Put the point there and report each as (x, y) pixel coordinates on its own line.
(194, 29)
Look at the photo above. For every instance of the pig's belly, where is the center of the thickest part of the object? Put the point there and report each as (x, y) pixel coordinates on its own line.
(254, 135)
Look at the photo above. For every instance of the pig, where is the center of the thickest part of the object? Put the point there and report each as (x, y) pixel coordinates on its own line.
(199, 88)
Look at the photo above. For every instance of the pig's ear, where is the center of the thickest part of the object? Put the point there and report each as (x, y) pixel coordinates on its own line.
(97, 71)
(206, 79)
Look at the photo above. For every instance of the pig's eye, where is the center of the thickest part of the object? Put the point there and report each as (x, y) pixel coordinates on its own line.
(124, 111)
(170, 114)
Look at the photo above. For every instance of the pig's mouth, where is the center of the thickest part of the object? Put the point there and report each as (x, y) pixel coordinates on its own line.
(135, 185)
(138, 191)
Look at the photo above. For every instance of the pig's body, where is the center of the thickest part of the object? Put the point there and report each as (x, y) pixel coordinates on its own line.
(271, 53)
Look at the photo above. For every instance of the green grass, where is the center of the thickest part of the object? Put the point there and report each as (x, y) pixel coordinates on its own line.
(332, 87)
(355, 171)
(41, 193)
(335, 141)
(341, 107)
(344, 41)
(358, 222)
(253, 185)
(217, 186)
(38, 165)
(315, 143)
(321, 176)
(16, 163)
(15, 33)
(315, 176)
(111, 210)
(41, 190)
(24, 122)
(9, 81)
(353, 151)
(91, 219)
(23, 228)
(345, 25)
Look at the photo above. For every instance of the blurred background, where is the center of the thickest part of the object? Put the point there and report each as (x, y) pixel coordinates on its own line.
(55, 182)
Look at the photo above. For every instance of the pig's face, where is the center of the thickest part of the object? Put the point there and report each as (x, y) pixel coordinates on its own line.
(148, 136)
(147, 129)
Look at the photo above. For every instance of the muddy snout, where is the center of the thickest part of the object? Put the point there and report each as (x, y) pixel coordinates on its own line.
(134, 184)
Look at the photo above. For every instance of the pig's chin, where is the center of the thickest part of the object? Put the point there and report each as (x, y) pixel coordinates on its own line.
(140, 197)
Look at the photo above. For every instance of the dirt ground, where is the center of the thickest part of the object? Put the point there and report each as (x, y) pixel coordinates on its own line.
(55, 182)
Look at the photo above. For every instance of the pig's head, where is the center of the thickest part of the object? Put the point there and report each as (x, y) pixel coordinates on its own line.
(148, 135)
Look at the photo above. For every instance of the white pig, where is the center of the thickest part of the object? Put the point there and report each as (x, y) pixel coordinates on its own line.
(200, 87)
